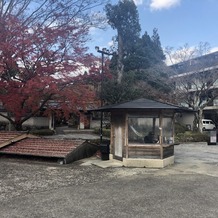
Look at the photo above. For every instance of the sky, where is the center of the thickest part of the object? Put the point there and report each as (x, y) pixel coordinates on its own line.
(178, 22)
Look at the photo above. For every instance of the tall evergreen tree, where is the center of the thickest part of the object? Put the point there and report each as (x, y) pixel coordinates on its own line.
(147, 52)
(136, 56)
(125, 19)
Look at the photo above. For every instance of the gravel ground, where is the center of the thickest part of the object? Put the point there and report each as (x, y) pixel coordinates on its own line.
(20, 177)
(36, 188)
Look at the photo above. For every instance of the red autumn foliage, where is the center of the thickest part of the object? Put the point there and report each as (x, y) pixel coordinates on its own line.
(40, 63)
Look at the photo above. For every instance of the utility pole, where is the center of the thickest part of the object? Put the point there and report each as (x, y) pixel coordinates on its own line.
(103, 52)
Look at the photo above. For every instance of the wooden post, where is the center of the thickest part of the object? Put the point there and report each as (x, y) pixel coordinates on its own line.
(127, 136)
(154, 121)
(161, 135)
(173, 126)
(161, 130)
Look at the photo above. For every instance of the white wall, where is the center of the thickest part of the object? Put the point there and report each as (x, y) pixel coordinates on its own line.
(37, 121)
(186, 119)
(33, 121)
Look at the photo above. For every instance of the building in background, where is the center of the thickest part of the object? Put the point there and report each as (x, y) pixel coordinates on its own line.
(196, 86)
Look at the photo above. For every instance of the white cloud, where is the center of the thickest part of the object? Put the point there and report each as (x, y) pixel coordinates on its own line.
(138, 2)
(111, 43)
(163, 4)
(184, 53)
(93, 30)
(214, 49)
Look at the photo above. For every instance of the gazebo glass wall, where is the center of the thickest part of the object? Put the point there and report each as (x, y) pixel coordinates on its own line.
(150, 130)
(167, 130)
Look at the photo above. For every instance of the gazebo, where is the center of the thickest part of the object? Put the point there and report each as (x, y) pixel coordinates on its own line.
(142, 133)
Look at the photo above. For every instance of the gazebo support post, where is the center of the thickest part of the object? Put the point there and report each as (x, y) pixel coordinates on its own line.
(127, 137)
(161, 136)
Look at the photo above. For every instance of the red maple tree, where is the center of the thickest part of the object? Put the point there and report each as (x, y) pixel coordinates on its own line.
(41, 56)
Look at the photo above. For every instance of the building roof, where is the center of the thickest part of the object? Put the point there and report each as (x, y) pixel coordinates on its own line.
(8, 136)
(18, 143)
(142, 103)
(42, 147)
(202, 63)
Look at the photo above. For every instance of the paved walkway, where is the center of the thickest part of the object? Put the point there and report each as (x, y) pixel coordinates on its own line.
(65, 132)
(189, 188)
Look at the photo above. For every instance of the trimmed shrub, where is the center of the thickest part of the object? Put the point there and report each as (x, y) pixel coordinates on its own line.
(105, 132)
(190, 136)
(180, 128)
(42, 132)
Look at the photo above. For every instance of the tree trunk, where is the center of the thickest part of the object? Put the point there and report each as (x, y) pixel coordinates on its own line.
(200, 116)
(197, 124)
(17, 126)
(120, 59)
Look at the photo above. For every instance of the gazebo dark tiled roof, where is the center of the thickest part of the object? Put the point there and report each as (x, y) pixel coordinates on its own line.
(141, 103)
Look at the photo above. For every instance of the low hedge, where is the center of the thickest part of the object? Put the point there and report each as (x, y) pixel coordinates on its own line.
(42, 132)
(105, 132)
(180, 128)
(190, 136)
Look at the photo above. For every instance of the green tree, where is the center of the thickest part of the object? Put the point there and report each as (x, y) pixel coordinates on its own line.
(134, 64)
(147, 53)
(153, 82)
(125, 19)
(114, 92)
